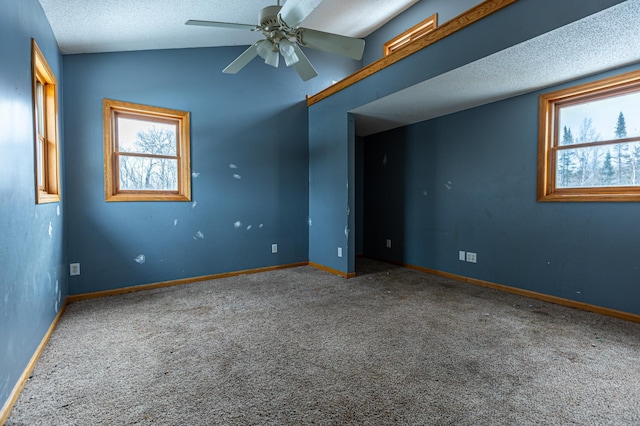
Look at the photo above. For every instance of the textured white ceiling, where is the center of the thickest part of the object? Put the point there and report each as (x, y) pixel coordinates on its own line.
(90, 26)
(606, 40)
(603, 41)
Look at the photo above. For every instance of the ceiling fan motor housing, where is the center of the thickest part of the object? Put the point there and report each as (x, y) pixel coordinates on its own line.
(269, 17)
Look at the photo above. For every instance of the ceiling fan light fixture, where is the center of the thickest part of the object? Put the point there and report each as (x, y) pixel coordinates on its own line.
(288, 52)
(267, 51)
(263, 48)
(272, 59)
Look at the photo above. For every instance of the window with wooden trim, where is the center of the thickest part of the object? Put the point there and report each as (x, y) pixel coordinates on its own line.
(589, 141)
(411, 35)
(146, 153)
(45, 119)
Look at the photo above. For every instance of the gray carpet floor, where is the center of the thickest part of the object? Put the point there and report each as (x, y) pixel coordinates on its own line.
(300, 346)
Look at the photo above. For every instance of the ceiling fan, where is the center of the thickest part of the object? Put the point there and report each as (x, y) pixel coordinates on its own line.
(283, 36)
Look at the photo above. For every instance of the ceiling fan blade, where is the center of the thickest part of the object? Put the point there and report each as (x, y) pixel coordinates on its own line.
(243, 59)
(220, 25)
(295, 11)
(303, 67)
(333, 43)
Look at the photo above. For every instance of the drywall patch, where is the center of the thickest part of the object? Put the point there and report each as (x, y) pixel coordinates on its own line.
(175, 222)
(261, 226)
(237, 224)
(50, 230)
(249, 227)
(195, 174)
(194, 204)
(235, 175)
(5, 382)
(58, 293)
(58, 210)
(425, 193)
(449, 185)
(199, 235)
(140, 259)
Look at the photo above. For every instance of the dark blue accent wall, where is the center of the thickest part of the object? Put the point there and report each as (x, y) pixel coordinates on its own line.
(249, 156)
(467, 181)
(33, 275)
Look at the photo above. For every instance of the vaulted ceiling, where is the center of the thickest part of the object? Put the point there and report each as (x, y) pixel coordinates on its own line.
(90, 26)
(594, 44)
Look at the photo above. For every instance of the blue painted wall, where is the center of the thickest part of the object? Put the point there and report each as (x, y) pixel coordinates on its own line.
(332, 159)
(253, 125)
(33, 275)
(467, 181)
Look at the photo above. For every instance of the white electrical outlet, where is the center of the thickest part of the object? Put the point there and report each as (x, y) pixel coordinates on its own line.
(462, 255)
(274, 248)
(471, 257)
(74, 269)
(388, 243)
(339, 251)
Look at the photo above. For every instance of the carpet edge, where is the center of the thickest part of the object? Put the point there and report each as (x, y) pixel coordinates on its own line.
(22, 381)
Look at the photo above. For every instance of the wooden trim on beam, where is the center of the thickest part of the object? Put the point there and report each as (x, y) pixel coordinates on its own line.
(17, 389)
(532, 294)
(463, 20)
(163, 284)
(332, 271)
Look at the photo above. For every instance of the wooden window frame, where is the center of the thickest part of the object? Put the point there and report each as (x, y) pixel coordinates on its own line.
(47, 165)
(549, 136)
(412, 34)
(113, 108)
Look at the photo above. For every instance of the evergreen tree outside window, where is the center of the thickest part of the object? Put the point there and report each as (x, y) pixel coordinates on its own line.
(589, 142)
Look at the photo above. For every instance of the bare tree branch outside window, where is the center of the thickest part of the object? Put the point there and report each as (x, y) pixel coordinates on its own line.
(157, 171)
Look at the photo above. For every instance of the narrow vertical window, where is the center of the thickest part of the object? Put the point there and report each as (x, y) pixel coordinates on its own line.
(45, 118)
(146, 153)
